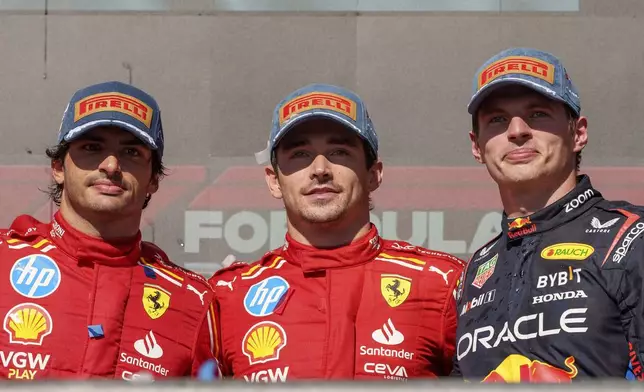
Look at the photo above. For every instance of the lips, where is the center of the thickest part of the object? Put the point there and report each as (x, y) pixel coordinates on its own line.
(520, 154)
(108, 187)
(321, 190)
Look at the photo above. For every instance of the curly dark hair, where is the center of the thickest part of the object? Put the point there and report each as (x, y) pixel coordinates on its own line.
(58, 153)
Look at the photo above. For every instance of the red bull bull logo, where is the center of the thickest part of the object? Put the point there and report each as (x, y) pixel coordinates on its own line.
(517, 368)
(519, 223)
(520, 227)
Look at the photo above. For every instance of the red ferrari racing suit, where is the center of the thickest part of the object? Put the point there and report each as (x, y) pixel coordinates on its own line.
(74, 306)
(375, 309)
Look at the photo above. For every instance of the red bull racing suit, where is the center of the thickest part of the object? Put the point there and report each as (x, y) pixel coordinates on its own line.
(74, 306)
(557, 296)
(374, 309)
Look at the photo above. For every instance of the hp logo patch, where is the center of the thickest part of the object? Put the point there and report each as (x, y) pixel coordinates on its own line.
(262, 298)
(35, 276)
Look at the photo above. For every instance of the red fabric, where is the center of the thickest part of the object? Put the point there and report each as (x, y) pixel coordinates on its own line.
(100, 284)
(333, 307)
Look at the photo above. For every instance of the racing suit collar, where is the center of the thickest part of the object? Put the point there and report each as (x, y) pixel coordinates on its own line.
(312, 259)
(87, 249)
(569, 207)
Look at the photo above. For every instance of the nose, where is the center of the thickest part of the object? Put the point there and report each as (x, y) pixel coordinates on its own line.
(518, 129)
(110, 165)
(320, 168)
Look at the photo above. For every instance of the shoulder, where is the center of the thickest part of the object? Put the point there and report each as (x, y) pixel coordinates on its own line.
(224, 279)
(439, 272)
(24, 230)
(421, 257)
(489, 248)
(626, 223)
(155, 258)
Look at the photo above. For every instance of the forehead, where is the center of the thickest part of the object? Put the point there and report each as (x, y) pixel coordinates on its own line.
(319, 130)
(515, 95)
(109, 133)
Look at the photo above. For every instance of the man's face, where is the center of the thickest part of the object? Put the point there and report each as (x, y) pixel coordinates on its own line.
(322, 173)
(107, 170)
(525, 136)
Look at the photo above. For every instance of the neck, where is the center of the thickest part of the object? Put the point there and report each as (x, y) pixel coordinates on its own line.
(104, 225)
(527, 198)
(329, 235)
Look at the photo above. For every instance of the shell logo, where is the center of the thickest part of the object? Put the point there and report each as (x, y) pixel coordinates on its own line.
(263, 342)
(27, 323)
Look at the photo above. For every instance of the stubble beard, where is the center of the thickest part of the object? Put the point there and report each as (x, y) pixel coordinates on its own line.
(323, 212)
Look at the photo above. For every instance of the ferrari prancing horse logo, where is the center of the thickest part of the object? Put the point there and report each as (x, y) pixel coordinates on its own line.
(155, 300)
(394, 288)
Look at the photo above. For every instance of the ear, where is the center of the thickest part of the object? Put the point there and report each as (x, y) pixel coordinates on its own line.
(580, 136)
(375, 175)
(476, 149)
(272, 180)
(153, 186)
(58, 171)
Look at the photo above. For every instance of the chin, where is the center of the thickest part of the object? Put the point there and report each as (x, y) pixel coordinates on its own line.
(322, 215)
(111, 206)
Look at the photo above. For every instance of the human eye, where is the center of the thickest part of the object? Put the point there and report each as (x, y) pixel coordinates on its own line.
(133, 152)
(299, 154)
(91, 146)
(538, 114)
(340, 152)
(496, 119)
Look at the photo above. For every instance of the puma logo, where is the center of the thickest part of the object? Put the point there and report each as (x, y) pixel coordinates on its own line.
(226, 283)
(441, 273)
(200, 295)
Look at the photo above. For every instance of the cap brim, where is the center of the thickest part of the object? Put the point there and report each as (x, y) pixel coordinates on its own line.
(309, 116)
(75, 133)
(485, 92)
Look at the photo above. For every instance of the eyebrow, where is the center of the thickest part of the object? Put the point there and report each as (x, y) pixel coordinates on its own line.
(494, 107)
(133, 141)
(344, 141)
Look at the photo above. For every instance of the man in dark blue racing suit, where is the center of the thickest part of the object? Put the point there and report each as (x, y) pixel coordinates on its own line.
(557, 296)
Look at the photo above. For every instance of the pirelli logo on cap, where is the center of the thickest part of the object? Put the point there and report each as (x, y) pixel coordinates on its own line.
(114, 102)
(525, 65)
(318, 100)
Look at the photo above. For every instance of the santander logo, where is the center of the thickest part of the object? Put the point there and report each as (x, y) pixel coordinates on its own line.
(388, 334)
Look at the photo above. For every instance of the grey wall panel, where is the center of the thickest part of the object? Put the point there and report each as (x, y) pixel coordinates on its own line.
(21, 81)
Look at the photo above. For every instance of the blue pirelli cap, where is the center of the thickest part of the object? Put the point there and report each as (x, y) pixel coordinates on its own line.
(535, 69)
(116, 104)
(320, 101)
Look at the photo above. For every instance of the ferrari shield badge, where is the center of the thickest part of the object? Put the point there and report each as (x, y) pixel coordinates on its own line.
(156, 300)
(484, 272)
(394, 288)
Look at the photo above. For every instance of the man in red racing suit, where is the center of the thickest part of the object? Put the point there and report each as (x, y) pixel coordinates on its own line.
(83, 296)
(363, 308)
(81, 307)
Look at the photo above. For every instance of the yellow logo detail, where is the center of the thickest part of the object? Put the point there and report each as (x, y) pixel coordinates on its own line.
(516, 368)
(394, 288)
(567, 251)
(156, 300)
(263, 342)
(318, 100)
(27, 323)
